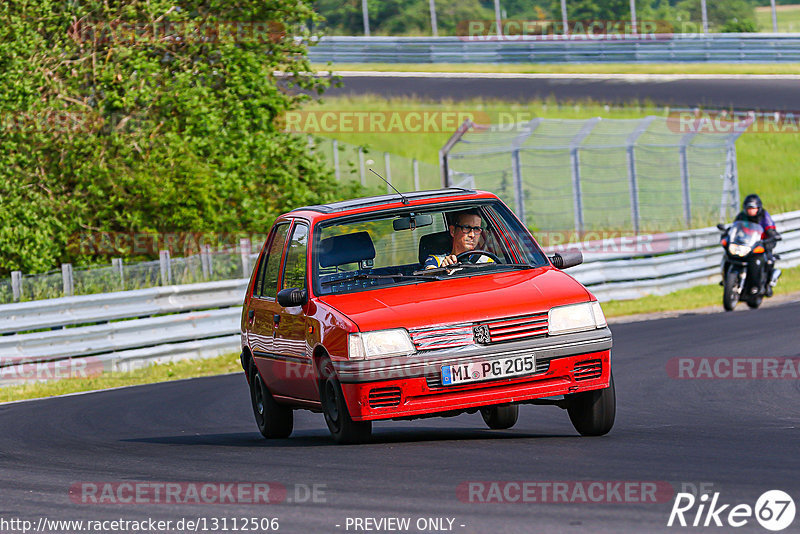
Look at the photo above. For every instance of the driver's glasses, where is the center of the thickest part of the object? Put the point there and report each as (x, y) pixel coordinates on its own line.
(465, 228)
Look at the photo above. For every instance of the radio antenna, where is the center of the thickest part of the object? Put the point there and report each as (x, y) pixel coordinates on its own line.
(405, 200)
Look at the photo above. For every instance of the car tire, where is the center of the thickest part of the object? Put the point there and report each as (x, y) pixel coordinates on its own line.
(273, 420)
(592, 412)
(500, 417)
(337, 417)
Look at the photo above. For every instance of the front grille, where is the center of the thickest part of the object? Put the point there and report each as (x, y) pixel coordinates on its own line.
(435, 381)
(516, 328)
(488, 332)
(586, 370)
(383, 397)
(441, 337)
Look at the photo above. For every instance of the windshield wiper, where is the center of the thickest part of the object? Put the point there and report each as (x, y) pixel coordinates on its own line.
(457, 266)
(368, 276)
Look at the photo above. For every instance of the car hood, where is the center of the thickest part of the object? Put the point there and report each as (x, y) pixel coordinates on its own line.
(463, 299)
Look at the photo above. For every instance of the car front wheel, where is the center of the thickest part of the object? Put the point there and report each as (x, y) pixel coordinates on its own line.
(500, 417)
(273, 420)
(337, 417)
(592, 412)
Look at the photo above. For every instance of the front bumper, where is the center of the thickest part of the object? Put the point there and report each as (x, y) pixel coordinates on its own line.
(411, 386)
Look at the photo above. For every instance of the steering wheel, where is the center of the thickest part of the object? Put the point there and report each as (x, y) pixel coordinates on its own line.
(481, 252)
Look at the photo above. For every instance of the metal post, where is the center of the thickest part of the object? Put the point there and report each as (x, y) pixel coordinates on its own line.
(361, 166)
(774, 16)
(244, 249)
(575, 167)
(336, 160)
(16, 285)
(444, 152)
(564, 16)
(434, 25)
(205, 261)
(365, 14)
(705, 16)
(166, 267)
(686, 191)
(66, 279)
(498, 20)
(116, 264)
(633, 17)
(519, 200)
(388, 168)
(632, 179)
(415, 168)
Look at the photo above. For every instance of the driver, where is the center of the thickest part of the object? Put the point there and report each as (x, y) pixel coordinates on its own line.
(753, 211)
(466, 231)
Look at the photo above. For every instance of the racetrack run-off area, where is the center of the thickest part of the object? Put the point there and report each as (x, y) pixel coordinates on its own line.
(719, 432)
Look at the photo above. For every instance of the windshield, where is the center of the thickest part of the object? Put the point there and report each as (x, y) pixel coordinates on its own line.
(745, 233)
(406, 247)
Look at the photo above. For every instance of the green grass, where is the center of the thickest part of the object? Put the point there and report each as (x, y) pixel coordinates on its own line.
(578, 68)
(228, 363)
(788, 18)
(768, 163)
(692, 298)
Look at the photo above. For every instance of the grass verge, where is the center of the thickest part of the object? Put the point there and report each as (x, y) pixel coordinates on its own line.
(574, 68)
(691, 298)
(165, 372)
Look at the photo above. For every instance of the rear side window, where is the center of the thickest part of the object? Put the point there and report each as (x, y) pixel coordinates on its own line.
(294, 273)
(267, 281)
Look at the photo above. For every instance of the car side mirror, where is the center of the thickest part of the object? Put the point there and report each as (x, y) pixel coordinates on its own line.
(292, 297)
(566, 259)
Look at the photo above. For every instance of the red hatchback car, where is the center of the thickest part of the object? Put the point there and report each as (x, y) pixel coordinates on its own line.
(432, 303)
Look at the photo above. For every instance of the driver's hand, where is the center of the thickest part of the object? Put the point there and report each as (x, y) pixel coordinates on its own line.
(449, 260)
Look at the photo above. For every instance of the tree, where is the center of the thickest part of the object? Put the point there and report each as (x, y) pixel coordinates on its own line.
(149, 116)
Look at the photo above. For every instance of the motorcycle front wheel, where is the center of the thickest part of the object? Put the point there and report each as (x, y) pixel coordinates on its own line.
(730, 297)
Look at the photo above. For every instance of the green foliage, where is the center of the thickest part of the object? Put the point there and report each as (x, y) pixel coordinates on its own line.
(111, 121)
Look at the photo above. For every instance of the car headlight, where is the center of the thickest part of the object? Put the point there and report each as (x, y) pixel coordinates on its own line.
(738, 250)
(575, 318)
(380, 344)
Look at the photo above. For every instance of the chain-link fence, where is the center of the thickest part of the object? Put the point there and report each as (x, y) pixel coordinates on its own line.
(655, 174)
(350, 162)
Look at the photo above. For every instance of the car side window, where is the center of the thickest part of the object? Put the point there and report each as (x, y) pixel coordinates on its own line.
(294, 272)
(271, 264)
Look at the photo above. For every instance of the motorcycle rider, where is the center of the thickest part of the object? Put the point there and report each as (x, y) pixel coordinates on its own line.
(753, 211)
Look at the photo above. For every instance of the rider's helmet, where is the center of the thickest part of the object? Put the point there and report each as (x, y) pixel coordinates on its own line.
(752, 201)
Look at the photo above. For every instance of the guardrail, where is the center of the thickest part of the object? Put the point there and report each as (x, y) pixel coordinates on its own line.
(629, 268)
(727, 47)
(202, 320)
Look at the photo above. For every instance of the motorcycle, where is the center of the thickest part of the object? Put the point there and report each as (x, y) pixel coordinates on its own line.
(744, 266)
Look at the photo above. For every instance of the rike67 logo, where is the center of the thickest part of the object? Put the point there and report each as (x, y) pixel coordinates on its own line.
(774, 510)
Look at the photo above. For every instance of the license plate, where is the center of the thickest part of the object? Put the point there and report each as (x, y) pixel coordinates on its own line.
(477, 371)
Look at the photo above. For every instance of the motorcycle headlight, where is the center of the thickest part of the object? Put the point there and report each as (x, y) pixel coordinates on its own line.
(380, 344)
(575, 318)
(738, 250)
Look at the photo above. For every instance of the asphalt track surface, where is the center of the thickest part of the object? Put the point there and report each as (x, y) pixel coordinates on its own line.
(739, 437)
(710, 92)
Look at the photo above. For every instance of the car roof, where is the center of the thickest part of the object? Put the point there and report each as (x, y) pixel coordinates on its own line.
(380, 200)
